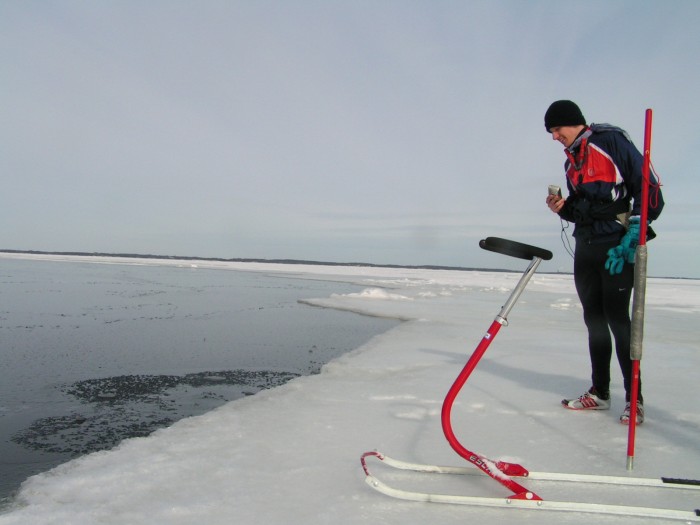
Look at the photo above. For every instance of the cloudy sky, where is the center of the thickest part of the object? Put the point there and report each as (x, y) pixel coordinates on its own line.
(375, 131)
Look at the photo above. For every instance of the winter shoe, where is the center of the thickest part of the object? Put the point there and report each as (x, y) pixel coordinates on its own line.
(591, 400)
(625, 417)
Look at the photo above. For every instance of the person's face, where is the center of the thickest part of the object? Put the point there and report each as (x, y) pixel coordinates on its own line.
(565, 134)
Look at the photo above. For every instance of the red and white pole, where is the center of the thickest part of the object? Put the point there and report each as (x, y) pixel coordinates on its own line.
(640, 279)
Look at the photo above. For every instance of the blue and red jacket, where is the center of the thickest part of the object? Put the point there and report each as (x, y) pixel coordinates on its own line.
(604, 177)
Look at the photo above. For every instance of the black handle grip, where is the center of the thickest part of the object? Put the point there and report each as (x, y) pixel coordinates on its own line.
(514, 249)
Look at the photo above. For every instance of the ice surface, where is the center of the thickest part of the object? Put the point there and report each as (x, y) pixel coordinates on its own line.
(291, 455)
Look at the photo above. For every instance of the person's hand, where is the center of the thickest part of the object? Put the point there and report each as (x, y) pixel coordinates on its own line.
(631, 239)
(625, 251)
(555, 203)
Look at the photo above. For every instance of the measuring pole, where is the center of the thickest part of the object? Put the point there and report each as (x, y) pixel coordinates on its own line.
(640, 284)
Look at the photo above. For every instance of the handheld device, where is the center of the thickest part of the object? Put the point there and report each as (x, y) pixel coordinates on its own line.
(554, 190)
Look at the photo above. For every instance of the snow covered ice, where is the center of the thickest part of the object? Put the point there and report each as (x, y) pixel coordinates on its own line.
(291, 454)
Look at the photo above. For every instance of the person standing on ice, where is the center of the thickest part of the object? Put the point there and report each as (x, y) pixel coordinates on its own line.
(604, 177)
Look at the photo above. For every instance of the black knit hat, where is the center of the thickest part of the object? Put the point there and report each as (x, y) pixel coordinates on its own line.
(563, 113)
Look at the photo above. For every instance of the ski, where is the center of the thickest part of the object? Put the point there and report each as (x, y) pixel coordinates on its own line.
(530, 500)
(689, 484)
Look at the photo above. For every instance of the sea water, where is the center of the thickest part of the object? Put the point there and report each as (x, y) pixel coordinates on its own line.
(94, 353)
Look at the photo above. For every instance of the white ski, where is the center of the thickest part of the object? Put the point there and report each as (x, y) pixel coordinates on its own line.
(529, 500)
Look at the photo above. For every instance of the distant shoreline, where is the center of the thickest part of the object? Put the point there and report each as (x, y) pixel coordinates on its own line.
(262, 261)
(286, 261)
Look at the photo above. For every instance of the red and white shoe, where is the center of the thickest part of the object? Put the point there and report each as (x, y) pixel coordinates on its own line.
(588, 401)
(625, 417)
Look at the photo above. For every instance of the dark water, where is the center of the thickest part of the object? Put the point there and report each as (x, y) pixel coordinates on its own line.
(91, 354)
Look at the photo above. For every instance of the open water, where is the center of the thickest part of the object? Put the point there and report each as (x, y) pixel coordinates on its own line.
(93, 353)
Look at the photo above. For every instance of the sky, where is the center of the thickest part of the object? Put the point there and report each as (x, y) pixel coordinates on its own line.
(389, 132)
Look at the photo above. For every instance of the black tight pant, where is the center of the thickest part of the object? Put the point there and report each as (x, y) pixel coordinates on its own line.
(605, 299)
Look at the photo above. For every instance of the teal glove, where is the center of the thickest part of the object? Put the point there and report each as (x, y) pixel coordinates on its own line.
(624, 252)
